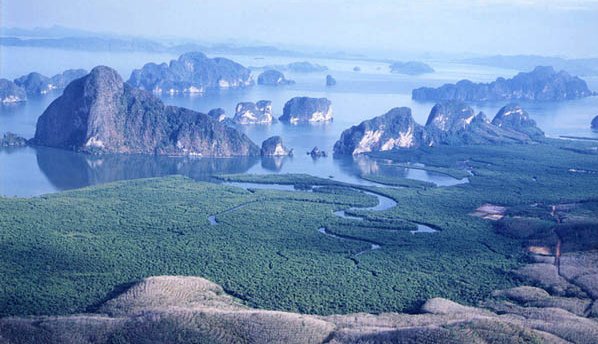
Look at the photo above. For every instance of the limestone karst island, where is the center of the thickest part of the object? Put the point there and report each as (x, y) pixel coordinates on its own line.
(291, 172)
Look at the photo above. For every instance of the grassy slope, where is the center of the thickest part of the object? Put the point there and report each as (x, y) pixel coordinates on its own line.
(66, 252)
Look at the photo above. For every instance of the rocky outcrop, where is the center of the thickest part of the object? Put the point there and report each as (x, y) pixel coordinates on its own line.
(594, 124)
(11, 93)
(541, 84)
(273, 146)
(330, 81)
(410, 68)
(99, 113)
(12, 140)
(317, 153)
(217, 114)
(395, 129)
(449, 123)
(454, 123)
(191, 73)
(306, 109)
(254, 113)
(273, 77)
(36, 83)
(513, 117)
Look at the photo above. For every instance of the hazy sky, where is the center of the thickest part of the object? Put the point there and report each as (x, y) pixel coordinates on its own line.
(557, 27)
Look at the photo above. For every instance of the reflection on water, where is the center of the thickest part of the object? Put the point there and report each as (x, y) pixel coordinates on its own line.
(56, 170)
(30, 171)
(274, 163)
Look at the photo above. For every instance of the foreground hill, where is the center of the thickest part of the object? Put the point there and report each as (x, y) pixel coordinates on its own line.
(541, 84)
(184, 309)
(99, 113)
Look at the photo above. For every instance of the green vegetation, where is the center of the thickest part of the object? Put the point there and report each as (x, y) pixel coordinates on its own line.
(70, 251)
(452, 172)
(398, 181)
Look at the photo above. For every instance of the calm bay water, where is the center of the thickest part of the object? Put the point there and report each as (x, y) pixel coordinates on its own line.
(356, 97)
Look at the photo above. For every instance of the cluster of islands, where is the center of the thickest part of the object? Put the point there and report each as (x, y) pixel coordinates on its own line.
(508, 256)
(99, 112)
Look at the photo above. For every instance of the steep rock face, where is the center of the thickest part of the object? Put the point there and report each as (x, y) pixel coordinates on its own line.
(191, 73)
(273, 146)
(273, 77)
(541, 84)
(11, 93)
(454, 123)
(99, 113)
(513, 117)
(450, 123)
(330, 81)
(395, 129)
(410, 68)
(595, 123)
(306, 109)
(36, 83)
(217, 114)
(254, 113)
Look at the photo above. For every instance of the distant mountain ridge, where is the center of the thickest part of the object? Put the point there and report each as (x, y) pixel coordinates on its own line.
(541, 84)
(579, 66)
(410, 68)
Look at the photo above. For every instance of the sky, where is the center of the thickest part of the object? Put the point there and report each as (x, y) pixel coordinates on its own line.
(550, 27)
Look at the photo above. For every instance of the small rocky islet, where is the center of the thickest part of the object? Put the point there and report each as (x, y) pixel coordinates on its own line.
(274, 146)
(272, 77)
(254, 113)
(330, 81)
(10, 140)
(307, 110)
